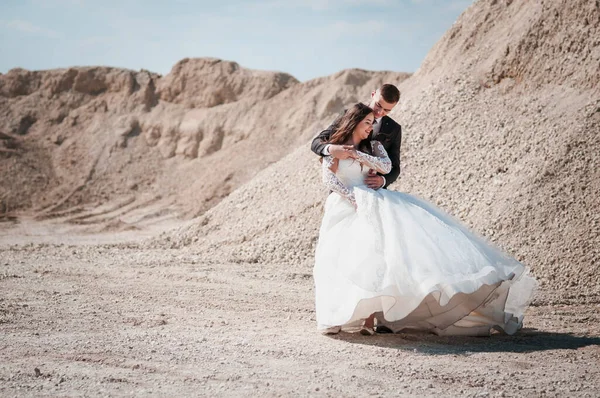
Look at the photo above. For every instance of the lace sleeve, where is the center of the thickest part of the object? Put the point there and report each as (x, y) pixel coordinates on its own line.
(380, 162)
(332, 182)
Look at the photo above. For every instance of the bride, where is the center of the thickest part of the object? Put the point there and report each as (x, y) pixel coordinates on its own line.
(395, 255)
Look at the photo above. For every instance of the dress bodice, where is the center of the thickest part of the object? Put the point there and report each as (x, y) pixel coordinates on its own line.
(351, 173)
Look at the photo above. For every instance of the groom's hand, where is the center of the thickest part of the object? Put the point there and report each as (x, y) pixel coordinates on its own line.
(374, 180)
(342, 151)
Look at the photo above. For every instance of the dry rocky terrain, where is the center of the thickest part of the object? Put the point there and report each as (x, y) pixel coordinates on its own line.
(157, 232)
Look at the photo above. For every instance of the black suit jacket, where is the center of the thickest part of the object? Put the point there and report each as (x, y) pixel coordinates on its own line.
(390, 136)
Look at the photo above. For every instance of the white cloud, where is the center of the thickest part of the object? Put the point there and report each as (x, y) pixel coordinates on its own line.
(28, 27)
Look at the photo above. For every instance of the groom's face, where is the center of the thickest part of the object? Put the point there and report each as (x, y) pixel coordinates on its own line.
(379, 105)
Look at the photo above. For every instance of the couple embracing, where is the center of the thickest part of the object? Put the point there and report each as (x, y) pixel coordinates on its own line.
(392, 260)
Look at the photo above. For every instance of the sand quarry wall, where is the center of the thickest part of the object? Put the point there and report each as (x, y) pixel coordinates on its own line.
(75, 138)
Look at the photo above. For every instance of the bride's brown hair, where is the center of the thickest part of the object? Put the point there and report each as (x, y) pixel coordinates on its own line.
(348, 123)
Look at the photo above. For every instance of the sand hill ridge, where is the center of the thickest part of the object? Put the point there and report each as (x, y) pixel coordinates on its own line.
(81, 139)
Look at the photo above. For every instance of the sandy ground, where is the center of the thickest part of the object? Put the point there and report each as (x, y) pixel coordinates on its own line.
(111, 157)
(115, 319)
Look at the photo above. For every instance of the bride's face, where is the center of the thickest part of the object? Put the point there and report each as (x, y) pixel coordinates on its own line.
(364, 128)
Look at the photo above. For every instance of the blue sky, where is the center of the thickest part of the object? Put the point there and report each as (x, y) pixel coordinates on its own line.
(306, 38)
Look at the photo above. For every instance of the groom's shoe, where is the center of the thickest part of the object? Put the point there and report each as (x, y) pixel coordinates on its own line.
(381, 329)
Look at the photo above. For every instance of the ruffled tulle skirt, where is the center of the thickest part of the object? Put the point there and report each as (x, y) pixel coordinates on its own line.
(415, 266)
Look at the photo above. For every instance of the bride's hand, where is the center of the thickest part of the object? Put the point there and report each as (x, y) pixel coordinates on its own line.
(352, 154)
(342, 151)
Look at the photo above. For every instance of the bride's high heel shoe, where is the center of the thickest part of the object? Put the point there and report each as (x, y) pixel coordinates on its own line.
(367, 331)
(367, 327)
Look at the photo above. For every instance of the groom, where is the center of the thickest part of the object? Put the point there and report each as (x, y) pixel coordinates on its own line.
(385, 130)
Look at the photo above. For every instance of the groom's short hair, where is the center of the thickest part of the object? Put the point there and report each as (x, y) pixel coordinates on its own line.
(390, 93)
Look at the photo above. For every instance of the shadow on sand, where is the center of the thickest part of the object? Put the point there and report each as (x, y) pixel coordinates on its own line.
(527, 340)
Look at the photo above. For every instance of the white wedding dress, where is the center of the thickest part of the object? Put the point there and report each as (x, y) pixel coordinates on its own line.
(394, 254)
